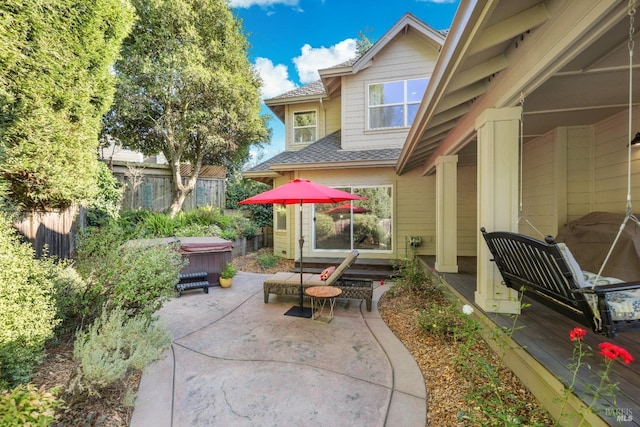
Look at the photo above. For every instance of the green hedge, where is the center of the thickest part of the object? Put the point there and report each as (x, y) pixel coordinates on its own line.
(27, 307)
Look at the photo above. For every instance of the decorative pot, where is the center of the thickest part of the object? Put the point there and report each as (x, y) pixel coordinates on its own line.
(225, 283)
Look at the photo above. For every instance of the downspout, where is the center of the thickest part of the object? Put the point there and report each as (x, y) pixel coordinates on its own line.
(324, 118)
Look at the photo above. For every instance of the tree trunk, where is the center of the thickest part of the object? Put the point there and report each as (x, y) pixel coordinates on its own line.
(178, 200)
(180, 190)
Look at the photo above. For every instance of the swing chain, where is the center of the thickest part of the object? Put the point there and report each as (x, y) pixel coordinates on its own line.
(631, 12)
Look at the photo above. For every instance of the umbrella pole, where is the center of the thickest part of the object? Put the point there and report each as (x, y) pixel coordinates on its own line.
(300, 311)
(301, 263)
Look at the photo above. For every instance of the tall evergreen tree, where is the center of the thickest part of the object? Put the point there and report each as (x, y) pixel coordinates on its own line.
(55, 85)
(187, 89)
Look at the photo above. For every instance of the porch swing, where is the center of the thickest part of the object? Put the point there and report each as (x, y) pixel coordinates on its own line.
(548, 272)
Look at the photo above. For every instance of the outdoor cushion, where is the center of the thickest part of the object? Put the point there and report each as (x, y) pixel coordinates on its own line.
(576, 271)
(327, 272)
(624, 305)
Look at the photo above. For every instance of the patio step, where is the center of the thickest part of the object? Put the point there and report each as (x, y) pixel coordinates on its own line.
(374, 269)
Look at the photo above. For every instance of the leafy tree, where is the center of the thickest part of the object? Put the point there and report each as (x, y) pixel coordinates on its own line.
(187, 89)
(239, 189)
(55, 86)
(363, 43)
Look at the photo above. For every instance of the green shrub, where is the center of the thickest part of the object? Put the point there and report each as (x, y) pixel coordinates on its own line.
(26, 405)
(27, 307)
(266, 261)
(198, 230)
(412, 276)
(144, 278)
(70, 294)
(325, 227)
(205, 221)
(138, 278)
(200, 216)
(240, 189)
(111, 349)
(367, 228)
(96, 243)
(106, 203)
(443, 318)
(159, 225)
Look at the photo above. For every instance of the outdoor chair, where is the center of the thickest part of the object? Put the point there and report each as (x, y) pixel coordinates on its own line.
(548, 272)
(288, 283)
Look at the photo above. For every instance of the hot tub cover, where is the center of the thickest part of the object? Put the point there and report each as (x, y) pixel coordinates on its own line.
(188, 244)
(204, 244)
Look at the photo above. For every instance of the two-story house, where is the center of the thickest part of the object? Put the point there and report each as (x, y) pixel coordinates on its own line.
(346, 131)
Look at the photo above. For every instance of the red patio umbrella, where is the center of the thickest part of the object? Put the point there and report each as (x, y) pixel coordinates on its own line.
(346, 208)
(301, 191)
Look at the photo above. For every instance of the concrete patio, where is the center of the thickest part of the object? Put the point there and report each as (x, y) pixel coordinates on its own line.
(235, 360)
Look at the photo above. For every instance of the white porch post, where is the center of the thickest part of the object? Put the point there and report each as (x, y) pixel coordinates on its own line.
(447, 214)
(498, 177)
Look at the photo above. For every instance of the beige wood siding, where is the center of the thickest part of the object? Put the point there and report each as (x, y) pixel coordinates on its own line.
(610, 170)
(576, 170)
(538, 190)
(413, 211)
(331, 114)
(328, 119)
(283, 241)
(406, 57)
(579, 162)
(467, 210)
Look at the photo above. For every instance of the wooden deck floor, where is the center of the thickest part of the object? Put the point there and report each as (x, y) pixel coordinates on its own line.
(545, 336)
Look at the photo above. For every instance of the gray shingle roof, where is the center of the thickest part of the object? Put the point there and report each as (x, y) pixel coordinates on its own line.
(327, 150)
(314, 88)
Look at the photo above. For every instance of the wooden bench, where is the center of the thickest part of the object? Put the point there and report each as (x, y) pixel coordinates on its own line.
(547, 272)
(190, 281)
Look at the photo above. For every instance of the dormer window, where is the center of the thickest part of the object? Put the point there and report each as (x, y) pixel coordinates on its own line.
(395, 104)
(304, 127)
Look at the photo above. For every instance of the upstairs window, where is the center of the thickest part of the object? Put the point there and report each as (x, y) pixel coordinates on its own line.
(304, 127)
(395, 104)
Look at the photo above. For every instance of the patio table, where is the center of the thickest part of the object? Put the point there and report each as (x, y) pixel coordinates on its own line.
(320, 295)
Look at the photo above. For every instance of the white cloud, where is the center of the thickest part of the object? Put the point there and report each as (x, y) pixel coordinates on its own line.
(246, 4)
(314, 58)
(275, 78)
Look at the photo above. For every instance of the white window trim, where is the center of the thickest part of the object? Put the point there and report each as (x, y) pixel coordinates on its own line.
(280, 209)
(405, 104)
(351, 188)
(294, 127)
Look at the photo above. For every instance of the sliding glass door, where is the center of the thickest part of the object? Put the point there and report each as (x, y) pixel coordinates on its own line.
(360, 224)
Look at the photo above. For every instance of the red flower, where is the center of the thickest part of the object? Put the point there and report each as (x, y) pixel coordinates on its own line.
(381, 282)
(612, 352)
(577, 333)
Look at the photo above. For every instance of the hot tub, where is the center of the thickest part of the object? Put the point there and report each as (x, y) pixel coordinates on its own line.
(209, 254)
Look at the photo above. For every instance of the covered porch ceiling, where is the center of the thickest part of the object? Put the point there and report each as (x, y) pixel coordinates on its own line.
(566, 63)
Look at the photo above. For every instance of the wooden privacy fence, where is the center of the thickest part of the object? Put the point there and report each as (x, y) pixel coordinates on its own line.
(148, 186)
(54, 231)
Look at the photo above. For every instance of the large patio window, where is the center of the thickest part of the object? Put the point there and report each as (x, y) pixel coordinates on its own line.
(361, 224)
(304, 127)
(395, 104)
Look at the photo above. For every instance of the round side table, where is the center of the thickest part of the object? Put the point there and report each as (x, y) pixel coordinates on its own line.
(320, 295)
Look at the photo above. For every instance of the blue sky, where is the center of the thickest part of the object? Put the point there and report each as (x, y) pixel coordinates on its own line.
(291, 39)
